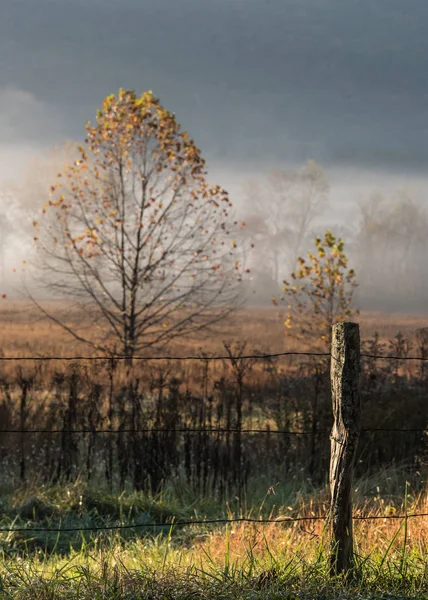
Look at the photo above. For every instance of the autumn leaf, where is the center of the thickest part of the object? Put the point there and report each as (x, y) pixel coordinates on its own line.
(324, 291)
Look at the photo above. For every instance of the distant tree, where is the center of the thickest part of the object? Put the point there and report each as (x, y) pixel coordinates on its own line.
(135, 236)
(280, 212)
(390, 245)
(320, 291)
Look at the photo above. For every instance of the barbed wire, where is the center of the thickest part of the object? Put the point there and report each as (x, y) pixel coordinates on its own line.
(198, 430)
(393, 357)
(183, 523)
(177, 358)
(199, 358)
(395, 430)
(156, 524)
(205, 430)
(157, 430)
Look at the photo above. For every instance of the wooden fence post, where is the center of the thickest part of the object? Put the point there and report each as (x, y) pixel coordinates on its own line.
(344, 374)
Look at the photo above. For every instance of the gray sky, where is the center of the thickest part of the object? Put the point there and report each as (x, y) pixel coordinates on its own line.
(255, 82)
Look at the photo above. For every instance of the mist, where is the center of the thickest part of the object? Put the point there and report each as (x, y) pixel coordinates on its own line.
(258, 85)
(390, 265)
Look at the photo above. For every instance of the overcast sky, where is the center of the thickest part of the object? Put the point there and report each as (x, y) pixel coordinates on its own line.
(255, 82)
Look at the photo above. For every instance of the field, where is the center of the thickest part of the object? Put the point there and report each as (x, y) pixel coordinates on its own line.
(23, 330)
(139, 477)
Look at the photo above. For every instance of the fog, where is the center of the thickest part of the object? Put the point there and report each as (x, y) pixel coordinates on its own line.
(382, 217)
(259, 86)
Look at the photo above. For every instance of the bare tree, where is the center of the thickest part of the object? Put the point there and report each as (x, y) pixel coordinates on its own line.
(281, 212)
(135, 235)
(390, 245)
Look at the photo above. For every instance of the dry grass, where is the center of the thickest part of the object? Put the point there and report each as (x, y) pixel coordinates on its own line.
(216, 562)
(23, 331)
(225, 561)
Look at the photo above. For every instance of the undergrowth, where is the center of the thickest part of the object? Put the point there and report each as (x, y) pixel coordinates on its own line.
(237, 560)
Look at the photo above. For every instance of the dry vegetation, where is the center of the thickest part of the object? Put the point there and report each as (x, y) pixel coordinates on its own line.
(24, 331)
(249, 561)
(203, 561)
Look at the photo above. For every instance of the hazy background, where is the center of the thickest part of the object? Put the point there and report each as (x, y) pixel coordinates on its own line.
(258, 84)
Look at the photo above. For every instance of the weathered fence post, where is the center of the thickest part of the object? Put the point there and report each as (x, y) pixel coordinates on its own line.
(344, 373)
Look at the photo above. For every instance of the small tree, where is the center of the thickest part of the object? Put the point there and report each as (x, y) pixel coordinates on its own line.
(392, 228)
(135, 236)
(321, 292)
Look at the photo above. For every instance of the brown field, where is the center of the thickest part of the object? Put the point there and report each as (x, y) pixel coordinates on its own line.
(25, 332)
(288, 393)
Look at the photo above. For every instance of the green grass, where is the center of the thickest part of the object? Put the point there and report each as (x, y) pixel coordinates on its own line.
(159, 569)
(206, 561)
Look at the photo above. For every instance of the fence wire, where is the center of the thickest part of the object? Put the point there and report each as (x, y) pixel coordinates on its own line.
(200, 358)
(204, 430)
(183, 523)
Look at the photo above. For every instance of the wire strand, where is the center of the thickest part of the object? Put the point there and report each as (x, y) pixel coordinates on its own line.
(201, 522)
(190, 357)
(157, 430)
(202, 430)
(199, 358)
